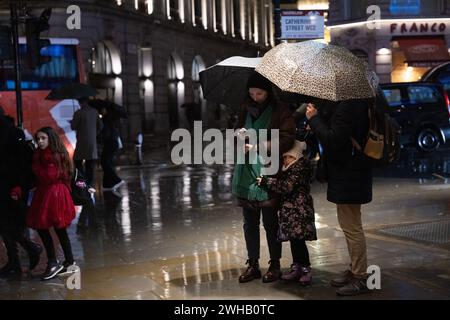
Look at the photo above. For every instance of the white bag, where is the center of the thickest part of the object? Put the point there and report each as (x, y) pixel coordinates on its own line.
(119, 143)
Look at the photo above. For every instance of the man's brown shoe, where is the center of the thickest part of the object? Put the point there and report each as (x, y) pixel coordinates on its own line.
(274, 272)
(251, 273)
(342, 280)
(355, 287)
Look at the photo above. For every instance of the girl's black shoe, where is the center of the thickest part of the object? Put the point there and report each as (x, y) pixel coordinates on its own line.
(66, 268)
(52, 271)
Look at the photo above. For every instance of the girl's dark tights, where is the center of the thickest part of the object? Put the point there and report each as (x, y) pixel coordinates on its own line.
(64, 240)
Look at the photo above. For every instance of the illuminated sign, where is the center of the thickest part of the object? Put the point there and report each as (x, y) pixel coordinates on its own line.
(417, 27)
(302, 24)
(404, 7)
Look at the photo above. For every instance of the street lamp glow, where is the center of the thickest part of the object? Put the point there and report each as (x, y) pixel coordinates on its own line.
(384, 51)
(149, 6)
(312, 5)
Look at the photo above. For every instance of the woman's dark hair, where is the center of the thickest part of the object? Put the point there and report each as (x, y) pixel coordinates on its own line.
(271, 98)
(58, 148)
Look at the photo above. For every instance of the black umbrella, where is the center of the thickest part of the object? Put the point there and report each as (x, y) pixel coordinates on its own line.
(72, 91)
(226, 82)
(111, 107)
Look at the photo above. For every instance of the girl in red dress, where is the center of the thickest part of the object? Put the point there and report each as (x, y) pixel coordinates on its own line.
(52, 205)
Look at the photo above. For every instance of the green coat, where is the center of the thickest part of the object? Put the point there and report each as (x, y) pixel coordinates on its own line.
(244, 178)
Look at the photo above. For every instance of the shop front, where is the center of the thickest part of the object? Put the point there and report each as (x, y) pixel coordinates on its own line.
(400, 50)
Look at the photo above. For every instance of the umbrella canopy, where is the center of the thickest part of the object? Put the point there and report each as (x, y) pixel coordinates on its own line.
(319, 70)
(110, 107)
(226, 82)
(72, 91)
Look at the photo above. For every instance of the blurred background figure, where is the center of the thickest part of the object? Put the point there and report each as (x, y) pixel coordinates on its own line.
(111, 144)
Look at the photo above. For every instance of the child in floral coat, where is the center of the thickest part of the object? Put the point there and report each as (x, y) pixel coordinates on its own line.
(296, 215)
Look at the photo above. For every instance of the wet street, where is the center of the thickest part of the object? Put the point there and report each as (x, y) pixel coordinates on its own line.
(174, 232)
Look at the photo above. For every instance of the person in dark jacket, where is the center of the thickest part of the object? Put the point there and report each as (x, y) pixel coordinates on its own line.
(110, 138)
(15, 177)
(87, 123)
(349, 178)
(261, 110)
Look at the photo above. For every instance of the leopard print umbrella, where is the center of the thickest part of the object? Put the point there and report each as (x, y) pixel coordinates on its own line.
(319, 70)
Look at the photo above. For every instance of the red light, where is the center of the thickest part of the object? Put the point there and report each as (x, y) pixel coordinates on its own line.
(447, 101)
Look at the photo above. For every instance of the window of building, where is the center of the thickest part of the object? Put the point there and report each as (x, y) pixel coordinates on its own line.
(149, 6)
(145, 59)
(171, 69)
(198, 12)
(101, 59)
(268, 22)
(237, 18)
(106, 70)
(172, 93)
(218, 4)
(254, 21)
(144, 6)
(174, 10)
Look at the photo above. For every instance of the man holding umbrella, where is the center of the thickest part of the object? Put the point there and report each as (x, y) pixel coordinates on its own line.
(349, 178)
(87, 123)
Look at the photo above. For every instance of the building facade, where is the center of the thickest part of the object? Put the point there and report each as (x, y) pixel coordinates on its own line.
(401, 39)
(147, 54)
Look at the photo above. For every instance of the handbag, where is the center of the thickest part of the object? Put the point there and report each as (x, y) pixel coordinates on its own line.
(80, 189)
(119, 143)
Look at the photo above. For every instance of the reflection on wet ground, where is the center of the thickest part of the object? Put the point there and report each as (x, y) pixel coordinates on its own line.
(174, 232)
(414, 164)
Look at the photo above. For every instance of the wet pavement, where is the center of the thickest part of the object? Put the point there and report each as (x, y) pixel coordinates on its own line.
(174, 232)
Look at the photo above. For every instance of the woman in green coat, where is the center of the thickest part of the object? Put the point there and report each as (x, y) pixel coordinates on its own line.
(261, 110)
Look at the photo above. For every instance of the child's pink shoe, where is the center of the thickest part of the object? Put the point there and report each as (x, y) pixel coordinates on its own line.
(306, 277)
(294, 273)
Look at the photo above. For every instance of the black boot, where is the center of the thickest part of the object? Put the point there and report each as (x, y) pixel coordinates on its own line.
(11, 269)
(252, 271)
(274, 272)
(34, 251)
(34, 255)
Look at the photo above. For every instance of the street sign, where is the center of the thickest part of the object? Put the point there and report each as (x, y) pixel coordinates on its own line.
(5, 43)
(302, 24)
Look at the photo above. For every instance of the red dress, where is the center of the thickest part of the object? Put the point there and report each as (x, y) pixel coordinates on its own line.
(52, 204)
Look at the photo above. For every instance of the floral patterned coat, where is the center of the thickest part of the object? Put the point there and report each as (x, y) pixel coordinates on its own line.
(296, 215)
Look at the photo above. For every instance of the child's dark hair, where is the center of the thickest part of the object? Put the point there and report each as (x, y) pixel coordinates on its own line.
(57, 147)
